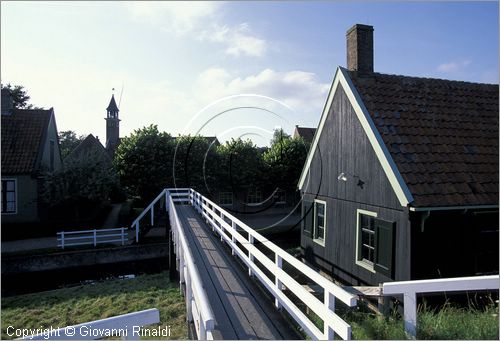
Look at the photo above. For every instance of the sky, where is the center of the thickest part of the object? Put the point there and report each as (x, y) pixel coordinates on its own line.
(230, 69)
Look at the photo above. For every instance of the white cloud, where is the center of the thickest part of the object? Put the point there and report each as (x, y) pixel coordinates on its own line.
(239, 40)
(299, 89)
(193, 18)
(453, 66)
(179, 17)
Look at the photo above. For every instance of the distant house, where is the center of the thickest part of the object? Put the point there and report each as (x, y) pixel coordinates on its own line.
(401, 180)
(30, 148)
(89, 148)
(306, 133)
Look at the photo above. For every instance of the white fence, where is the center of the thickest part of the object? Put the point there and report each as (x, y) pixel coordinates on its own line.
(177, 194)
(127, 326)
(227, 226)
(197, 304)
(410, 289)
(92, 237)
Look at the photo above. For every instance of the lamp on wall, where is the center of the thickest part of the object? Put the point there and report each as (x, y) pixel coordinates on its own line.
(343, 176)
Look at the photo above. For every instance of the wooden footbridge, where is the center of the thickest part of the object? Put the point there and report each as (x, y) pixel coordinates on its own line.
(237, 283)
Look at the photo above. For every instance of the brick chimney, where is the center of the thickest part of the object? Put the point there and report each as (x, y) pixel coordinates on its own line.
(7, 102)
(360, 49)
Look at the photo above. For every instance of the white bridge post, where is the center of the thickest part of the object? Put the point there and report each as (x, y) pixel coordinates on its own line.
(277, 282)
(410, 313)
(250, 256)
(330, 305)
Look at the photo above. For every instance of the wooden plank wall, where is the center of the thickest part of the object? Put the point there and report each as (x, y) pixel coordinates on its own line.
(344, 147)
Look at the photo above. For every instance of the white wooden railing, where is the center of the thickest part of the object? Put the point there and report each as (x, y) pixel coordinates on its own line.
(176, 193)
(410, 289)
(126, 326)
(228, 228)
(198, 306)
(92, 237)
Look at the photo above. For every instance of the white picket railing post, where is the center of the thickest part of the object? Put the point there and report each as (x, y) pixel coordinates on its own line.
(123, 235)
(330, 305)
(137, 231)
(277, 282)
(250, 256)
(166, 199)
(233, 238)
(95, 238)
(62, 239)
(152, 215)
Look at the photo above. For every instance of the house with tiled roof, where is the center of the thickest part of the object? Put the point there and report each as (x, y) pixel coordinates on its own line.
(401, 180)
(305, 132)
(30, 149)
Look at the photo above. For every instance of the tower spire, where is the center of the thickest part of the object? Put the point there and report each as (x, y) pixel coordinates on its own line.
(112, 126)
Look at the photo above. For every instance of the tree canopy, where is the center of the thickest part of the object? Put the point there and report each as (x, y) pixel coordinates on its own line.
(19, 96)
(68, 141)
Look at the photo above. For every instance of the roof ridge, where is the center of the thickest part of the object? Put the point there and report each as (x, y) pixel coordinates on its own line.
(428, 79)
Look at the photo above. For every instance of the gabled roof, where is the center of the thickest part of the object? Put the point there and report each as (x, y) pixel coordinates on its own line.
(23, 134)
(112, 105)
(437, 140)
(90, 146)
(442, 135)
(306, 133)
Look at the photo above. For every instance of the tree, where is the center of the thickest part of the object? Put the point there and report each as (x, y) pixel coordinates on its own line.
(284, 160)
(144, 162)
(196, 163)
(19, 96)
(68, 141)
(241, 166)
(81, 187)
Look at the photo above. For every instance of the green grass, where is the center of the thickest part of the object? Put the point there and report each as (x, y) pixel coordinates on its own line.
(69, 306)
(447, 323)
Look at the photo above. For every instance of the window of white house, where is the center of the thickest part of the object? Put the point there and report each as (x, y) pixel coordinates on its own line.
(254, 197)
(375, 243)
(226, 198)
(279, 196)
(9, 196)
(319, 222)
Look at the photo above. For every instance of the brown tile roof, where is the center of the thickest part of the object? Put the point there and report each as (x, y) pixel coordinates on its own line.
(22, 134)
(306, 133)
(442, 135)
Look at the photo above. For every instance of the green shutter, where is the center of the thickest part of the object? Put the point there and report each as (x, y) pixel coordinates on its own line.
(307, 217)
(384, 247)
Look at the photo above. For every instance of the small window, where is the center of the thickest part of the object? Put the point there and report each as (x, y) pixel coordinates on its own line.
(226, 198)
(375, 243)
(254, 197)
(9, 197)
(279, 196)
(52, 155)
(319, 222)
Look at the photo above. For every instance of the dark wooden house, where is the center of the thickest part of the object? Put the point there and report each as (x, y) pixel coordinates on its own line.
(401, 180)
(306, 133)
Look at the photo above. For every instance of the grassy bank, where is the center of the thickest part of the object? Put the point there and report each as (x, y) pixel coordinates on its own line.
(69, 306)
(448, 323)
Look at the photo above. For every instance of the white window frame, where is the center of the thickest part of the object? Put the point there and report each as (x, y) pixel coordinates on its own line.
(15, 195)
(319, 240)
(364, 264)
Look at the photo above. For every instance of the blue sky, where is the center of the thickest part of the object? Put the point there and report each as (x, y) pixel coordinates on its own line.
(174, 59)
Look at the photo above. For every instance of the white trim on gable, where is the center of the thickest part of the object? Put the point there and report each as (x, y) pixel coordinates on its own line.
(388, 165)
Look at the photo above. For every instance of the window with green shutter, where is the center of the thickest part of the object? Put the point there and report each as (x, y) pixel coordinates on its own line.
(375, 243)
(307, 217)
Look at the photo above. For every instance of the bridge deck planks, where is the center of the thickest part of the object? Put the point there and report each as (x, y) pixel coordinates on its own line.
(241, 309)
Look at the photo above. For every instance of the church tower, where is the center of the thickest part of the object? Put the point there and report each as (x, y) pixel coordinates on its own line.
(112, 127)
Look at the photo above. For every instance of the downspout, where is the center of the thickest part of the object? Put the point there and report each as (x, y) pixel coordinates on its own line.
(423, 218)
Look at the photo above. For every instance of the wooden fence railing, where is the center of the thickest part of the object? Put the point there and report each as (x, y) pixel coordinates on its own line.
(228, 228)
(410, 289)
(92, 237)
(126, 326)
